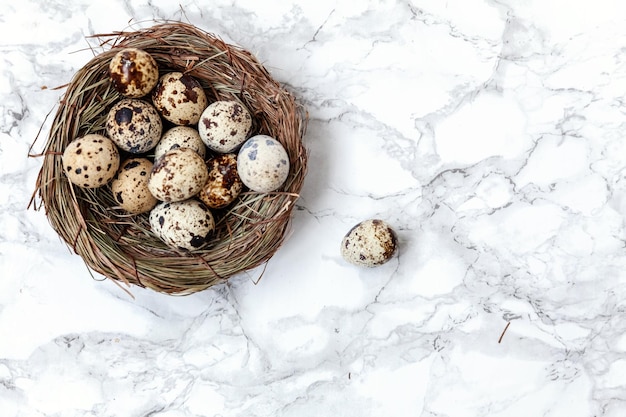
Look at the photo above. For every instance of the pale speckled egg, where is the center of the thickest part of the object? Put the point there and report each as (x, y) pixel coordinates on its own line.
(180, 137)
(91, 161)
(370, 243)
(130, 186)
(224, 125)
(178, 175)
(133, 72)
(179, 98)
(224, 184)
(263, 164)
(186, 225)
(134, 125)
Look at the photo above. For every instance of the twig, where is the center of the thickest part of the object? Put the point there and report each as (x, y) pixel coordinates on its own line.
(504, 331)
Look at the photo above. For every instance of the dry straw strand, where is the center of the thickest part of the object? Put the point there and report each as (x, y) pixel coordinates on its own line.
(121, 247)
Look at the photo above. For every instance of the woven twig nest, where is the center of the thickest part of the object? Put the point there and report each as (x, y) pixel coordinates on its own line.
(122, 247)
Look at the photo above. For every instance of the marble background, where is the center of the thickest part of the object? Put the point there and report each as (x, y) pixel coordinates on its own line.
(488, 133)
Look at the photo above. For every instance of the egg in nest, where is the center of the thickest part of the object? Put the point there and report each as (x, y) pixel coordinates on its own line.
(134, 125)
(179, 98)
(90, 161)
(133, 72)
(180, 137)
(130, 186)
(223, 185)
(185, 225)
(263, 164)
(177, 175)
(224, 125)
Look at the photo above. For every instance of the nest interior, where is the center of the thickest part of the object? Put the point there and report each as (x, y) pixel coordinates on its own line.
(120, 246)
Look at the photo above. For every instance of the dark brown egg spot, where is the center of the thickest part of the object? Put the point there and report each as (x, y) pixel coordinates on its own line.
(131, 165)
(123, 115)
(197, 241)
(190, 84)
(209, 123)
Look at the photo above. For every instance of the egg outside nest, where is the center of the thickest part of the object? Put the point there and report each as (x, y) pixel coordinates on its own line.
(370, 243)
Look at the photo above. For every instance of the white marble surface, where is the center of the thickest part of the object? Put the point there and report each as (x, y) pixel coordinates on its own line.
(488, 133)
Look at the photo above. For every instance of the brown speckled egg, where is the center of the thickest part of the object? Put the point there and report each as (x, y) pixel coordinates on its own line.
(180, 137)
(224, 126)
(178, 175)
(130, 186)
(134, 125)
(91, 161)
(370, 243)
(133, 72)
(179, 98)
(263, 164)
(185, 225)
(224, 184)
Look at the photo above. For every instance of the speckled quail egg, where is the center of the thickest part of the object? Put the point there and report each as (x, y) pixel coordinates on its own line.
(224, 125)
(186, 225)
(180, 137)
(90, 161)
(134, 125)
(133, 72)
(179, 98)
(263, 164)
(130, 186)
(224, 184)
(178, 175)
(370, 243)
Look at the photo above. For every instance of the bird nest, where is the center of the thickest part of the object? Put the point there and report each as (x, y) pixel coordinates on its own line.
(121, 246)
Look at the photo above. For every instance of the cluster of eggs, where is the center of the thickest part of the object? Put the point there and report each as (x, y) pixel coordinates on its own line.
(201, 162)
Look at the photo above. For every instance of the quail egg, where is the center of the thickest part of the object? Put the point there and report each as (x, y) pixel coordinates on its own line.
(134, 125)
(263, 164)
(133, 72)
(224, 125)
(370, 243)
(130, 186)
(180, 137)
(90, 161)
(185, 225)
(179, 98)
(178, 175)
(223, 185)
